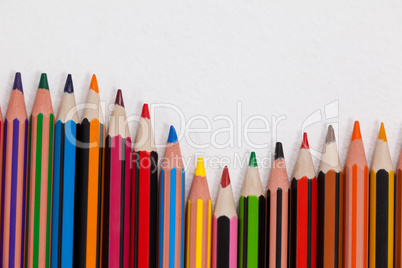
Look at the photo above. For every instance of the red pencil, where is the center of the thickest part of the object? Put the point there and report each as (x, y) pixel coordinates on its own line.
(144, 196)
(303, 211)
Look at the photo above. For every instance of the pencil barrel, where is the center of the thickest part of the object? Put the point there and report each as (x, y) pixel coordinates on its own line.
(144, 209)
(199, 230)
(14, 185)
(398, 219)
(88, 202)
(171, 218)
(251, 232)
(330, 219)
(381, 232)
(303, 230)
(224, 242)
(277, 230)
(40, 190)
(116, 208)
(63, 194)
(356, 217)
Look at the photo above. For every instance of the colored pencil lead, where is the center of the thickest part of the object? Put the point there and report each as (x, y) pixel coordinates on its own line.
(357, 135)
(381, 135)
(225, 180)
(279, 151)
(172, 135)
(145, 111)
(94, 84)
(253, 160)
(69, 88)
(119, 98)
(43, 83)
(200, 169)
(330, 135)
(18, 82)
(305, 144)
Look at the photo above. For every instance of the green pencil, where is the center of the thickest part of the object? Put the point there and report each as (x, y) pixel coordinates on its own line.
(40, 178)
(252, 219)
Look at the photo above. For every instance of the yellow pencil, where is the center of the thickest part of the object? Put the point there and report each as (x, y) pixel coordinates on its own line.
(199, 221)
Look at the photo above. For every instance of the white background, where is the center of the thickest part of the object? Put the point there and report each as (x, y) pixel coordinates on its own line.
(275, 57)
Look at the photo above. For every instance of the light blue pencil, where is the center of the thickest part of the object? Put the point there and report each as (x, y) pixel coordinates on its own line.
(64, 180)
(171, 204)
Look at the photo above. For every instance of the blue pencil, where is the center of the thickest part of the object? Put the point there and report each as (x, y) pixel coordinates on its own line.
(64, 180)
(171, 203)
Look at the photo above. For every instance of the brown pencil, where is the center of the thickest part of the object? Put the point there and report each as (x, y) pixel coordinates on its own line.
(330, 206)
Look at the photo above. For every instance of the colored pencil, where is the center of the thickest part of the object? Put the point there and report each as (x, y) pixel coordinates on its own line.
(398, 214)
(14, 179)
(224, 226)
(330, 206)
(171, 204)
(199, 221)
(64, 179)
(144, 196)
(116, 220)
(381, 222)
(277, 212)
(252, 219)
(303, 210)
(40, 177)
(89, 179)
(356, 204)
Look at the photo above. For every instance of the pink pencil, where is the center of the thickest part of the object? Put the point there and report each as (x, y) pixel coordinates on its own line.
(224, 226)
(115, 252)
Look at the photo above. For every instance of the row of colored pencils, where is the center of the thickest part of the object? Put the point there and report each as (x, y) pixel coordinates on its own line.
(74, 195)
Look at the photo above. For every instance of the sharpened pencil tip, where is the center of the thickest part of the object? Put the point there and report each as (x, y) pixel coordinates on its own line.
(200, 169)
(225, 180)
(382, 136)
(43, 83)
(119, 98)
(357, 135)
(279, 151)
(94, 84)
(69, 88)
(305, 144)
(330, 135)
(145, 111)
(253, 160)
(172, 135)
(18, 82)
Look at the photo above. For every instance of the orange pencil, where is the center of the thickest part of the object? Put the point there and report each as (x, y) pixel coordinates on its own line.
(356, 204)
(89, 180)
